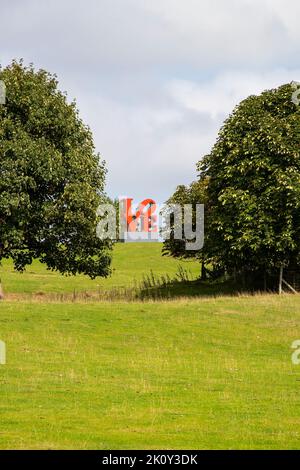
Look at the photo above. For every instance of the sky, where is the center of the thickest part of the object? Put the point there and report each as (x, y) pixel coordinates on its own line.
(155, 79)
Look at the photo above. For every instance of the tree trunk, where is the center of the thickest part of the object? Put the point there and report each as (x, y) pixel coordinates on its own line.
(280, 280)
(203, 272)
(243, 277)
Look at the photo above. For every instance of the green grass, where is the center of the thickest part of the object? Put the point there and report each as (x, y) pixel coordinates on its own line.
(130, 262)
(202, 373)
(211, 373)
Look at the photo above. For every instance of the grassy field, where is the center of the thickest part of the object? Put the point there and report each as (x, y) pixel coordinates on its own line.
(131, 261)
(180, 374)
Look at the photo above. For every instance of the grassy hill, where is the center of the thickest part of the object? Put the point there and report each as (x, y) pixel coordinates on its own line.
(131, 261)
(178, 374)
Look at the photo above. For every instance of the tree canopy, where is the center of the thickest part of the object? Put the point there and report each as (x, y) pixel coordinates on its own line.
(254, 184)
(250, 185)
(51, 178)
(193, 194)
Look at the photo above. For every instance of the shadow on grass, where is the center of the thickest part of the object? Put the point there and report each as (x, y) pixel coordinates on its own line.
(182, 285)
(195, 288)
(152, 287)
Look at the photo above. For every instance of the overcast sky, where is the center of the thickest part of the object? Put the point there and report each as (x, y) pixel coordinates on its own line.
(155, 79)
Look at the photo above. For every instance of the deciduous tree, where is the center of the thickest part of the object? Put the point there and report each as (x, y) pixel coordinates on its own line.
(51, 178)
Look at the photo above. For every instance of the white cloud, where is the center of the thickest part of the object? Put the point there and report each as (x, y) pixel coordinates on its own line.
(155, 78)
(218, 97)
(233, 32)
(152, 145)
(122, 34)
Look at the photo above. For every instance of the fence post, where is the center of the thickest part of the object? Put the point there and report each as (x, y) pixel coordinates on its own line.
(280, 280)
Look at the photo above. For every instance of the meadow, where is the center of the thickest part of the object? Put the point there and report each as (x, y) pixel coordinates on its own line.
(192, 372)
(131, 262)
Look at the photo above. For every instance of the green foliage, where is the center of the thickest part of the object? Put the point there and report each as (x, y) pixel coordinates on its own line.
(195, 193)
(51, 179)
(254, 184)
